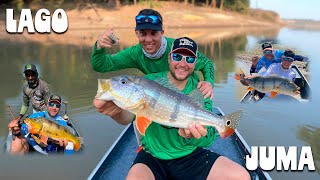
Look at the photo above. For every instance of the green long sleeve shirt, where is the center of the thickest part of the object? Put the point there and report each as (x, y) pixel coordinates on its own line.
(133, 57)
(164, 142)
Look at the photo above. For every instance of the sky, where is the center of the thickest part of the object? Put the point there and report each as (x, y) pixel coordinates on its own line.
(291, 9)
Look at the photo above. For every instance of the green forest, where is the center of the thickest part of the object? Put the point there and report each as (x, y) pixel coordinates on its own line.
(232, 5)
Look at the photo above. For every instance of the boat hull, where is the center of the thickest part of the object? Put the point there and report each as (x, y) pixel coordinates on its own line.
(117, 161)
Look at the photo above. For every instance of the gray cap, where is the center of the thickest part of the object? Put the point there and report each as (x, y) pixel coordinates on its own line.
(30, 67)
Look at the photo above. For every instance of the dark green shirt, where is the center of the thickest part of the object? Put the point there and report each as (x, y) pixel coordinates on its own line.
(133, 57)
(164, 142)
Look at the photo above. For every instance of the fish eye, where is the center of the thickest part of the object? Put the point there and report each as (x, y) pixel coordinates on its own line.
(228, 122)
(123, 81)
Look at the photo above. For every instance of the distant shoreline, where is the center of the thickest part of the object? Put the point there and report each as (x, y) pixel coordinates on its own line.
(86, 24)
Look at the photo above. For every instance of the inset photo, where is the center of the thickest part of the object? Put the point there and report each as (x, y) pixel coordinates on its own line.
(269, 73)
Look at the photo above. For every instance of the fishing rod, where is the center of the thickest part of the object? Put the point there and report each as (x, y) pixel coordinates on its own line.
(65, 117)
(14, 134)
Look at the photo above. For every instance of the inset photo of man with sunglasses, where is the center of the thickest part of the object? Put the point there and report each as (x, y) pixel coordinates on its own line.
(274, 74)
(270, 55)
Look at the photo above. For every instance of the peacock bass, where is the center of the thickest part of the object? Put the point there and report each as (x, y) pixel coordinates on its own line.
(49, 129)
(154, 101)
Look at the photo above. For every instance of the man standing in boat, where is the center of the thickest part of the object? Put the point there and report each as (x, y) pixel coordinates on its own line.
(172, 153)
(35, 91)
(149, 56)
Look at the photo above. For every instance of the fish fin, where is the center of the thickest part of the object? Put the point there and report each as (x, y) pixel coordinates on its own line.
(228, 132)
(142, 124)
(253, 75)
(273, 94)
(103, 87)
(38, 140)
(239, 71)
(232, 122)
(165, 82)
(197, 97)
(250, 88)
(143, 106)
(77, 146)
(81, 140)
(238, 74)
(103, 84)
(44, 139)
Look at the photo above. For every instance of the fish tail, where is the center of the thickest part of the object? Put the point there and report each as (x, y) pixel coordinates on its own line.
(77, 143)
(232, 122)
(239, 75)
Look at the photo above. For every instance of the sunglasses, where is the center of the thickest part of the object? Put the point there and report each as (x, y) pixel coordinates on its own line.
(266, 52)
(290, 59)
(140, 19)
(30, 74)
(178, 57)
(51, 104)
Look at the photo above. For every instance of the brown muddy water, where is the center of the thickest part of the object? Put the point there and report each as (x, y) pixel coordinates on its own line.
(67, 69)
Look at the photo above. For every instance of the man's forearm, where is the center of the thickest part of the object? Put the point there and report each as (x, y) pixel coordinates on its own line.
(23, 110)
(208, 72)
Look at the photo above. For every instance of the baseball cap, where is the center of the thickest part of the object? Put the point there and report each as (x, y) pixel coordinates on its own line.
(267, 46)
(149, 19)
(289, 53)
(55, 98)
(186, 44)
(30, 67)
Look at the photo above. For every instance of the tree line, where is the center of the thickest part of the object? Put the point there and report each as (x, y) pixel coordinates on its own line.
(232, 5)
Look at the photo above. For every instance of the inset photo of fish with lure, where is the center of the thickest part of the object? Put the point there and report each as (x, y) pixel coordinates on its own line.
(45, 132)
(274, 78)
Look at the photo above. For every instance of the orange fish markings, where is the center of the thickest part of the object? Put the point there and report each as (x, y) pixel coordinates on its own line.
(49, 129)
(268, 84)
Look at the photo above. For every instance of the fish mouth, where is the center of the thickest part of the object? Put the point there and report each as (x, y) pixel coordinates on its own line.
(103, 86)
(228, 132)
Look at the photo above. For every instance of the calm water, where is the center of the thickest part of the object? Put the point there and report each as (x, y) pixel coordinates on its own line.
(68, 70)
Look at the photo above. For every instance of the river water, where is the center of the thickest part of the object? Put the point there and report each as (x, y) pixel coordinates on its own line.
(68, 70)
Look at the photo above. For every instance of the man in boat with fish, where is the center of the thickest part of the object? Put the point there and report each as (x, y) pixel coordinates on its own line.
(149, 55)
(277, 79)
(167, 152)
(283, 69)
(270, 56)
(20, 144)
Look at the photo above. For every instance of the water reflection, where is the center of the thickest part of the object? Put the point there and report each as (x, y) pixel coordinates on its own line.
(67, 69)
(311, 135)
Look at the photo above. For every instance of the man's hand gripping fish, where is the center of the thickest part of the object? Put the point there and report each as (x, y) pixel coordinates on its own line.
(49, 129)
(152, 101)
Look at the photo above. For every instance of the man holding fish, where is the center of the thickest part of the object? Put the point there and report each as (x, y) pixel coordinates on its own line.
(270, 56)
(277, 79)
(149, 56)
(46, 124)
(175, 127)
(283, 69)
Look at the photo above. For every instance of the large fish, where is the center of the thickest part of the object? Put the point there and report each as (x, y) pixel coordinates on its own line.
(153, 101)
(268, 84)
(49, 129)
